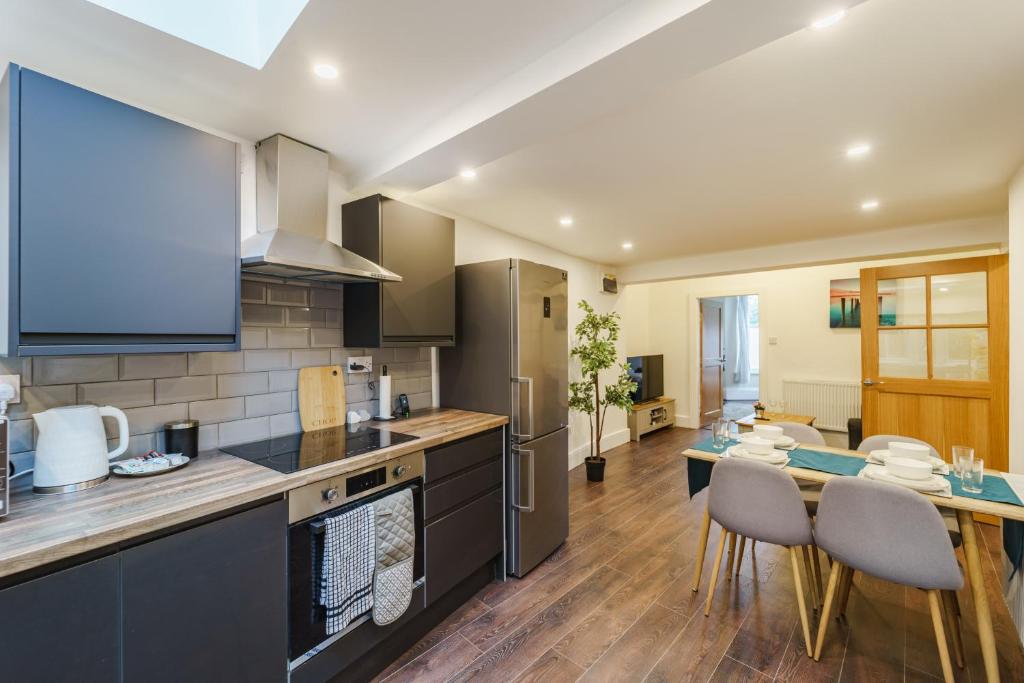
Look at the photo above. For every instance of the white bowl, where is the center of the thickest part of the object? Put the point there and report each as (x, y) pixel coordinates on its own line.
(913, 451)
(758, 446)
(908, 468)
(770, 432)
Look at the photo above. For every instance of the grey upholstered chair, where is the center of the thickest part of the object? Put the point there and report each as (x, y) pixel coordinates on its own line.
(762, 503)
(881, 441)
(804, 434)
(895, 534)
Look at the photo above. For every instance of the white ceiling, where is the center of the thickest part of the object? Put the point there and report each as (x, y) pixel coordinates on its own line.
(684, 126)
(751, 153)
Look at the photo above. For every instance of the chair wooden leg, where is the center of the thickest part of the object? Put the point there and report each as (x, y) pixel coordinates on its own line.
(702, 549)
(967, 576)
(800, 597)
(817, 571)
(739, 560)
(714, 571)
(954, 626)
(810, 577)
(844, 594)
(940, 635)
(732, 556)
(830, 594)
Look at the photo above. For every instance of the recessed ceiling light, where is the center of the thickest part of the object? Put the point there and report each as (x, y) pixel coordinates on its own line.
(468, 173)
(627, 245)
(830, 20)
(326, 71)
(869, 205)
(858, 150)
(565, 220)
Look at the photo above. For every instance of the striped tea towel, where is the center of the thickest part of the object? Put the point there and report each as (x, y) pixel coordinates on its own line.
(346, 578)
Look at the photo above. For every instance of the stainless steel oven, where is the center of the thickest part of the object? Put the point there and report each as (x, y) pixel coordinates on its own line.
(308, 508)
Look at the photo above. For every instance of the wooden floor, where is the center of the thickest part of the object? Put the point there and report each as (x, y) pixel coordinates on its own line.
(614, 603)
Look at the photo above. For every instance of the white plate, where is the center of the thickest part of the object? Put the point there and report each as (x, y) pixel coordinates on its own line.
(781, 442)
(114, 469)
(773, 458)
(934, 484)
(939, 466)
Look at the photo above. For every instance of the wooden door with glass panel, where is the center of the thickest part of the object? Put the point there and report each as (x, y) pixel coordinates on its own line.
(935, 354)
(712, 363)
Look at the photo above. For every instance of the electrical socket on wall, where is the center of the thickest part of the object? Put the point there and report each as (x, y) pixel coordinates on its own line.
(15, 382)
(773, 341)
(359, 365)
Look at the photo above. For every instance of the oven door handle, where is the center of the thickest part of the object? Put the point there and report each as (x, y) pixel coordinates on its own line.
(530, 488)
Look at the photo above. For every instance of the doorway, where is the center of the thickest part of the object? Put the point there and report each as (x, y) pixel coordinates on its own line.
(730, 366)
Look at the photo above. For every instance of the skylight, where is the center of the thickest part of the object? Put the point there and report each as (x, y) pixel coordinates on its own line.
(247, 31)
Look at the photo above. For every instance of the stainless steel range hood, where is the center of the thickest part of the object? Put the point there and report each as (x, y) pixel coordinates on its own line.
(291, 219)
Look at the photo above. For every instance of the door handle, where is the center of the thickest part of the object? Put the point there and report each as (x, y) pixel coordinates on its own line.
(529, 489)
(871, 383)
(518, 424)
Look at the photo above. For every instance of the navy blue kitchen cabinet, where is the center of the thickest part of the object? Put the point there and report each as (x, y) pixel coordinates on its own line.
(122, 226)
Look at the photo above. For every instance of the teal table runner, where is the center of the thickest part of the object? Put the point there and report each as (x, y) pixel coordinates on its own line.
(995, 488)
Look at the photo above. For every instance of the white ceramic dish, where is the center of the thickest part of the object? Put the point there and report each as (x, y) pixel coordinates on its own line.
(914, 451)
(758, 446)
(879, 457)
(933, 484)
(781, 442)
(770, 432)
(908, 468)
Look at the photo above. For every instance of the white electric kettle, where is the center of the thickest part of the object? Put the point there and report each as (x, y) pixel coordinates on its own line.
(71, 451)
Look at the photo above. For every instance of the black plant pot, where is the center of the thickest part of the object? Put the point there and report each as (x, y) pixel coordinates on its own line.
(595, 468)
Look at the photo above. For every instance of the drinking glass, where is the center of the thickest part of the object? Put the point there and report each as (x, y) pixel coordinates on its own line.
(719, 431)
(963, 457)
(974, 476)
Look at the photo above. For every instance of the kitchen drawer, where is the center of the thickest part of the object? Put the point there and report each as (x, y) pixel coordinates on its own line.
(460, 543)
(462, 487)
(450, 458)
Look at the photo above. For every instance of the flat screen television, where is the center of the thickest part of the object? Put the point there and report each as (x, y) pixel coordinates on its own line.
(648, 373)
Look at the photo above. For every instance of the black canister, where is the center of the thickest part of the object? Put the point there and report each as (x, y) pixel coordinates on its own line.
(182, 437)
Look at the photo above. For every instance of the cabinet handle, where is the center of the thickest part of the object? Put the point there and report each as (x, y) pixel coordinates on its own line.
(518, 423)
(529, 496)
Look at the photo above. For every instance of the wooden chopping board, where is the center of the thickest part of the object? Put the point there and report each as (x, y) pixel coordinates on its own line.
(321, 397)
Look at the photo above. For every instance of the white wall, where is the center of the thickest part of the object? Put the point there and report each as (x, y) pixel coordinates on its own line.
(1016, 230)
(794, 310)
(475, 242)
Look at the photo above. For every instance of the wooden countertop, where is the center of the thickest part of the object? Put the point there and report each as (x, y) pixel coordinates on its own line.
(42, 529)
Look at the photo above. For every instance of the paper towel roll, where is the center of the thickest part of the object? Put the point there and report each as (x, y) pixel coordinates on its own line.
(384, 391)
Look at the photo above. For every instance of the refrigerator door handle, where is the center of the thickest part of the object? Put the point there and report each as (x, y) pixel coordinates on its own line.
(529, 497)
(518, 423)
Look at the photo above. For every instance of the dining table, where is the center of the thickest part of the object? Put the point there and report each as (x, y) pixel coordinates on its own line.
(701, 456)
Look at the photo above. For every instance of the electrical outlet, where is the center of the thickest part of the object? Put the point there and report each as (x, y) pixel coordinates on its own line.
(773, 341)
(15, 382)
(357, 365)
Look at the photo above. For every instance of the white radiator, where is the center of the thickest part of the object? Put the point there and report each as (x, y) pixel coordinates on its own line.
(831, 402)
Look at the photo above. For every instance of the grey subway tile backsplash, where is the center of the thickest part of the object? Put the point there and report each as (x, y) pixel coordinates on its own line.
(287, 337)
(217, 410)
(307, 317)
(127, 394)
(254, 338)
(215, 362)
(177, 389)
(268, 359)
(152, 365)
(288, 295)
(243, 384)
(73, 369)
(236, 396)
(254, 314)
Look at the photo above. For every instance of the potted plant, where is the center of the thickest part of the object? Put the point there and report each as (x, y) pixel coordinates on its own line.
(594, 346)
(759, 410)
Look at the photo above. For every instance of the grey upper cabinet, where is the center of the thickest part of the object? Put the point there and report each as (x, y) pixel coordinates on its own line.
(419, 246)
(122, 226)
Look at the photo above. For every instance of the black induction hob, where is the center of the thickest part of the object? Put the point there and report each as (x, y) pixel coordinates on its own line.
(294, 452)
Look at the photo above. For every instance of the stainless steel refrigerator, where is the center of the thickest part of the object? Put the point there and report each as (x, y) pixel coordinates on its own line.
(511, 357)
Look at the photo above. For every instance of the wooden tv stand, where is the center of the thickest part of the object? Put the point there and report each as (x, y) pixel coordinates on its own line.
(647, 417)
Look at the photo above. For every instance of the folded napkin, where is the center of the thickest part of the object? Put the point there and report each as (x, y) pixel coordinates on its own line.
(934, 486)
(346, 576)
(938, 466)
